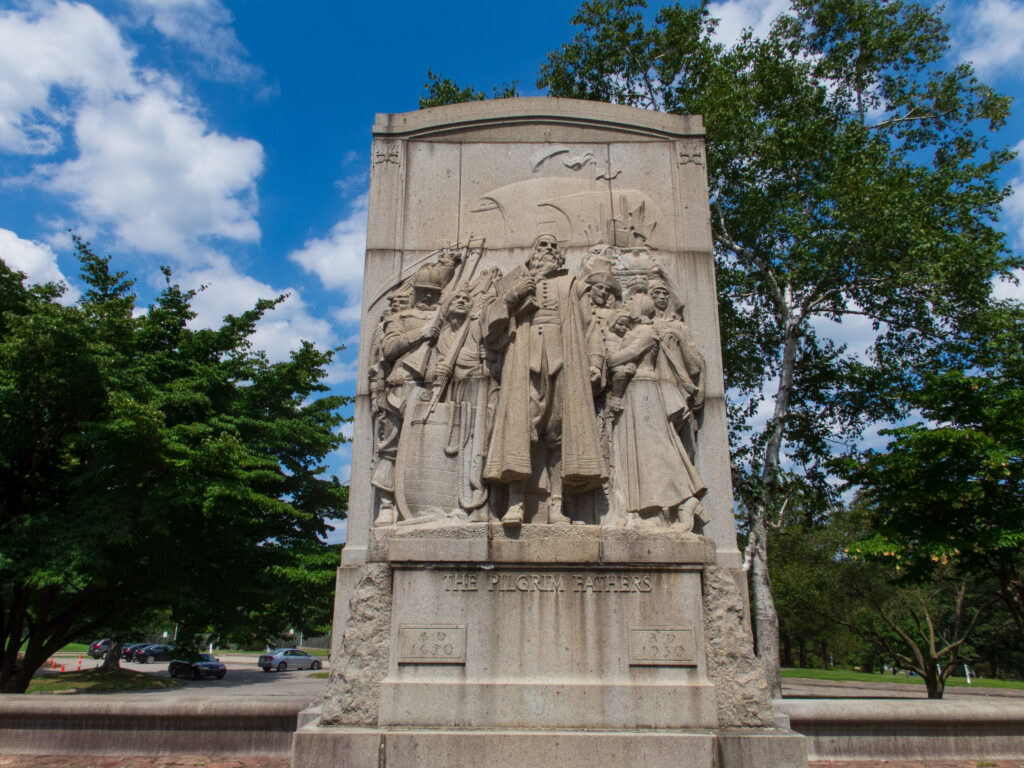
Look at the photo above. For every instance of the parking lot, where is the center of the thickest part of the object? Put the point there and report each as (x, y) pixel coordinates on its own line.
(243, 679)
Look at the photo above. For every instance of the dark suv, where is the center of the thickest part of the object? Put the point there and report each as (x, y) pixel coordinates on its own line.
(147, 654)
(99, 648)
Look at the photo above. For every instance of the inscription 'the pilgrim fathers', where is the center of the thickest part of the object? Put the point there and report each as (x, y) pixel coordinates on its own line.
(601, 583)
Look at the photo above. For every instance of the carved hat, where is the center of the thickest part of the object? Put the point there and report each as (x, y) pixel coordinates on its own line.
(605, 278)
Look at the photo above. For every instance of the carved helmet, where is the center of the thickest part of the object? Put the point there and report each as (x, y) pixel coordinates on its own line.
(431, 277)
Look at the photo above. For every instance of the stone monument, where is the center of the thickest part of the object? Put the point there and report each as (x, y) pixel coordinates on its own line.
(541, 561)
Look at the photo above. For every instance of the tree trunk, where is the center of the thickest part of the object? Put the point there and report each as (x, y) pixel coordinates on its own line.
(766, 620)
(933, 682)
(112, 661)
(787, 649)
(803, 653)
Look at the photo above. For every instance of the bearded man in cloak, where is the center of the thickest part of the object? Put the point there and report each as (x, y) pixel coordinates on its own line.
(545, 437)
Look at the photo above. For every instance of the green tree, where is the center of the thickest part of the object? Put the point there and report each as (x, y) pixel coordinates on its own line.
(849, 175)
(949, 488)
(443, 90)
(923, 624)
(803, 555)
(147, 464)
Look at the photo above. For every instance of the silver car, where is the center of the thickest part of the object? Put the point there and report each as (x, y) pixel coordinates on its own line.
(287, 658)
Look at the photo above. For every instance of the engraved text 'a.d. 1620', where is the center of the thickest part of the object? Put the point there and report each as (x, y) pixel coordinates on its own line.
(601, 583)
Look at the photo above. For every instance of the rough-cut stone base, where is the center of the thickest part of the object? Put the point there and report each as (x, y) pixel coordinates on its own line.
(741, 690)
(339, 747)
(353, 691)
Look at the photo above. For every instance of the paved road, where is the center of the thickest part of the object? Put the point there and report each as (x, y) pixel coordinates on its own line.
(244, 679)
(95, 761)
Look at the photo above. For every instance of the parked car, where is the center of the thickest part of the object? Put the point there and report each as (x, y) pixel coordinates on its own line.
(287, 658)
(150, 653)
(98, 649)
(128, 652)
(205, 666)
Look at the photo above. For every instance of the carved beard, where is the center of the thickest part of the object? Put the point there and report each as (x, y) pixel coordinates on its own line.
(544, 262)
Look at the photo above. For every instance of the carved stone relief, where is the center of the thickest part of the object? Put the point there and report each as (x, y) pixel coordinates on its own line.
(546, 395)
(691, 153)
(386, 153)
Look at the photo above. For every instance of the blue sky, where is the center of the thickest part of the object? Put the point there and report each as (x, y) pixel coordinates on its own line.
(230, 140)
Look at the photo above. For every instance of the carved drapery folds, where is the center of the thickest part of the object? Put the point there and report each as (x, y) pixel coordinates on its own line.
(541, 393)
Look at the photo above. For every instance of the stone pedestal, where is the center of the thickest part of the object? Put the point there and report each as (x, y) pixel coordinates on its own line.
(469, 646)
(541, 561)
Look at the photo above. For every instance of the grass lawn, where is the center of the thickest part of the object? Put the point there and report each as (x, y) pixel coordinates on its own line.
(94, 681)
(868, 677)
(74, 648)
(69, 648)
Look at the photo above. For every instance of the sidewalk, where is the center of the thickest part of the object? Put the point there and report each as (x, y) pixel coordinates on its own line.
(65, 761)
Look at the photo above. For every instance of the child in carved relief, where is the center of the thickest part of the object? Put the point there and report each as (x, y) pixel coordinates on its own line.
(619, 375)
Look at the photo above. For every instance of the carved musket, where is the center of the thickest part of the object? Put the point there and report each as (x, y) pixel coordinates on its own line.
(417, 361)
(463, 335)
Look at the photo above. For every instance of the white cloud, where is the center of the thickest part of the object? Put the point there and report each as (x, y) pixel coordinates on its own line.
(64, 48)
(204, 27)
(37, 260)
(1014, 205)
(338, 259)
(855, 332)
(736, 15)
(990, 34)
(1013, 211)
(230, 292)
(339, 531)
(151, 170)
(343, 371)
(148, 167)
(1006, 289)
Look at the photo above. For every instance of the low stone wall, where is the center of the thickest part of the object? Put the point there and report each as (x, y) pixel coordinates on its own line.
(62, 725)
(836, 729)
(898, 729)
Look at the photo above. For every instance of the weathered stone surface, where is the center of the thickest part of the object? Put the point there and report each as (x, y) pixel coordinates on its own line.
(627, 546)
(745, 747)
(503, 244)
(901, 729)
(95, 725)
(740, 687)
(353, 690)
(540, 466)
(495, 543)
(528, 645)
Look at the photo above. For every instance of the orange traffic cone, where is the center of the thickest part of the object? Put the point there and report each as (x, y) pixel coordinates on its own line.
(79, 663)
(61, 667)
